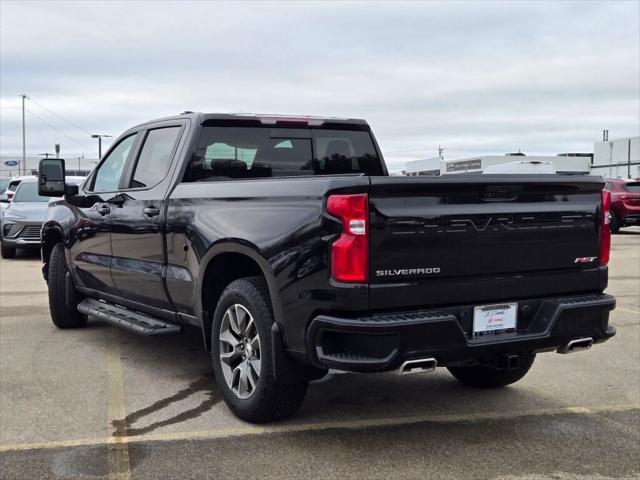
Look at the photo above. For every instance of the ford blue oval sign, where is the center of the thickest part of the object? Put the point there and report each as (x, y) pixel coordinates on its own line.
(11, 163)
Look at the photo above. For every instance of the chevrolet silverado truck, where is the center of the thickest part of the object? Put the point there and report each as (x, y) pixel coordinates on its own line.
(287, 243)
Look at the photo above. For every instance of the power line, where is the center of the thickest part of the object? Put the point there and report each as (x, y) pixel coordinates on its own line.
(59, 116)
(60, 132)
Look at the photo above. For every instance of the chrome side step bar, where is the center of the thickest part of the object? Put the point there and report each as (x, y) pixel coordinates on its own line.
(577, 345)
(422, 365)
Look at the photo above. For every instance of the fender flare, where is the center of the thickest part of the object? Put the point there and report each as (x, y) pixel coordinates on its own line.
(250, 251)
(50, 228)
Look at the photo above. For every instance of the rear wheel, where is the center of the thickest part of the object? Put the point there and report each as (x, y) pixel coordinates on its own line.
(242, 355)
(7, 251)
(491, 377)
(63, 314)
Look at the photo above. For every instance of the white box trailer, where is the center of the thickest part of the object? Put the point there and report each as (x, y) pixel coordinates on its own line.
(521, 167)
(577, 165)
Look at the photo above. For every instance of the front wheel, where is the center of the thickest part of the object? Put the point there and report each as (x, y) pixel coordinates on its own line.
(481, 376)
(243, 358)
(63, 315)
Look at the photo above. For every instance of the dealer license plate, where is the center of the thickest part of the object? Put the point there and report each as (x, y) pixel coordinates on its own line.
(494, 319)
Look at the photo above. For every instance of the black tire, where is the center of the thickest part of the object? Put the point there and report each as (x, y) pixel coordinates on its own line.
(490, 377)
(614, 226)
(61, 314)
(7, 251)
(270, 399)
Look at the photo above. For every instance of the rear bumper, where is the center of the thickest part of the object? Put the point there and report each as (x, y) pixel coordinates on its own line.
(383, 342)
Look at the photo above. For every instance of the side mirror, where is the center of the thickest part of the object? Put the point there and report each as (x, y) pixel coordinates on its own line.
(51, 177)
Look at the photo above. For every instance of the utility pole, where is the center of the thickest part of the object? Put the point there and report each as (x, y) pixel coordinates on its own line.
(440, 152)
(629, 159)
(24, 146)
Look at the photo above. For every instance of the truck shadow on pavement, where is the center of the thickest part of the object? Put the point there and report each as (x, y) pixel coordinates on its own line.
(337, 396)
(205, 384)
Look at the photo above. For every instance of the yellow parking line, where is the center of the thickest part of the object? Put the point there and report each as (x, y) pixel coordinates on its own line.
(117, 451)
(248, 430)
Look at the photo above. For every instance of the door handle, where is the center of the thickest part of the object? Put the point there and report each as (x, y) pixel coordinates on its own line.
(151, 211)
(104, 210)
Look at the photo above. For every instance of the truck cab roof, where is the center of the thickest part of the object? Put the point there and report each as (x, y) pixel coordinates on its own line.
(265, 119)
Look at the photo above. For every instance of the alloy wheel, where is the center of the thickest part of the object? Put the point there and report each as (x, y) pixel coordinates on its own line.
(240, 351)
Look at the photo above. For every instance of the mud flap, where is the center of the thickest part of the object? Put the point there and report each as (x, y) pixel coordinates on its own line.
(286, 370)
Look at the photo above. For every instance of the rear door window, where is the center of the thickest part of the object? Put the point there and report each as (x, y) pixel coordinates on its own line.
(155, 156)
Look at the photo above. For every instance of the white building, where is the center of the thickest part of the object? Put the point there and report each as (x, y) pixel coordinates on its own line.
(427, 166)
(571, 164)
(618, 158)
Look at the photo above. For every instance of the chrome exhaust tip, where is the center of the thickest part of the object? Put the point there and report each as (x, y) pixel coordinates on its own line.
(576, 345)
(422, 365)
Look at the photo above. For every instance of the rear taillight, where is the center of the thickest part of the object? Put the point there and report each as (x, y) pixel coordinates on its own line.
(605, 230)
(350, 252)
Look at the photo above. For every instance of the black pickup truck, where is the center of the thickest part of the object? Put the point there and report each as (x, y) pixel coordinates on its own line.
(287, 243)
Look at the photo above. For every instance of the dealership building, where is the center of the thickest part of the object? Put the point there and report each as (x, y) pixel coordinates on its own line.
(618, 158)
(11, 165)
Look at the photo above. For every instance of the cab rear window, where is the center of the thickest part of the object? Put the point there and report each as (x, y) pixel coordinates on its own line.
(226, 153)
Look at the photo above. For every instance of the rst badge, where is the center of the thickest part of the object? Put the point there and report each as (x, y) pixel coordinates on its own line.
(585, 259)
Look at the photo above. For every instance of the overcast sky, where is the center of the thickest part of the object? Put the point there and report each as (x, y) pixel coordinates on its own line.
(475, 77)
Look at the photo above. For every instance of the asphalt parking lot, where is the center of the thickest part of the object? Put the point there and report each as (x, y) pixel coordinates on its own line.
(102, 403)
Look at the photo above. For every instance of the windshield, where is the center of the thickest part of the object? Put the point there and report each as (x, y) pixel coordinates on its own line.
(632, 187)
(225, 153)
(28, 192)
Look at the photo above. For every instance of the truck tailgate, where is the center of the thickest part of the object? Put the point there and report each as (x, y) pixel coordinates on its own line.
(437, 235)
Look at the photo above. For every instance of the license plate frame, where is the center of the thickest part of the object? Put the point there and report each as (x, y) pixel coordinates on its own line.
(495, 319)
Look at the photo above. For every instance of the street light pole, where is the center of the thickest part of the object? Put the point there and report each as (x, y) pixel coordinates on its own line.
(24, 146)
(99, 137)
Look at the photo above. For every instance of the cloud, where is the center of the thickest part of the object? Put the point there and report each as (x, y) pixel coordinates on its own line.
(476, 77)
